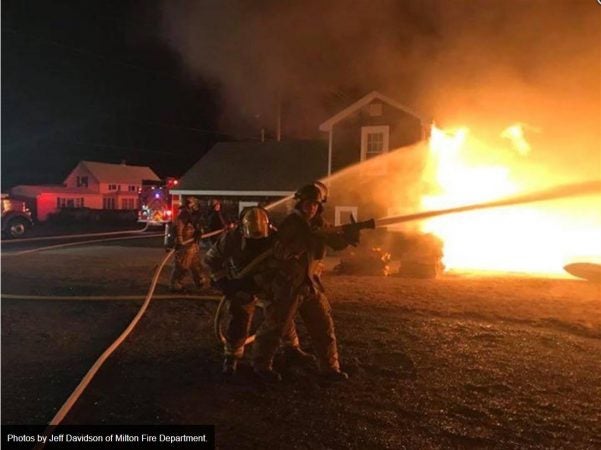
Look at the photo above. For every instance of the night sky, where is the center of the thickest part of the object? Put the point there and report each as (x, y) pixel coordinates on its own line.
(159, 82)
(92, 80)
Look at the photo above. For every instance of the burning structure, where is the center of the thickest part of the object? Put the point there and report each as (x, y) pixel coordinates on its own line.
(467, 65)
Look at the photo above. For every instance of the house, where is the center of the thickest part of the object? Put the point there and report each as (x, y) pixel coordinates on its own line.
(249, 173)
(370, 128)
(90, 184)
(241, 174)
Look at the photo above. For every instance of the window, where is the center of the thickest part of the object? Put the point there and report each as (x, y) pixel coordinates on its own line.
(242, 205)
(127, 203)
(342, 214)
(132, 188)
(374, 141)
(82, 181)
(114, 187)
(62, 202)
(375, 144)
(108, 203)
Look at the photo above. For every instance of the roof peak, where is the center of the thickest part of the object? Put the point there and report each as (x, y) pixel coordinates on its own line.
(365, 100)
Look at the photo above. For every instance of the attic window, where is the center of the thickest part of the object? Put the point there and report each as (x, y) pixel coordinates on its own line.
(375, 109)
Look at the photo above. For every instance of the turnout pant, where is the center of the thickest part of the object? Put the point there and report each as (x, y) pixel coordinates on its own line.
(316, 313)
(242, 309)
(187, 259)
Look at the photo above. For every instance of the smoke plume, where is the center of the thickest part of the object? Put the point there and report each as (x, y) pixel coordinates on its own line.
(479, 63)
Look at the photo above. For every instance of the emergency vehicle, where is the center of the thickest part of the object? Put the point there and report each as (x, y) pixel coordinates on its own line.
(156, 202)
(16, 217)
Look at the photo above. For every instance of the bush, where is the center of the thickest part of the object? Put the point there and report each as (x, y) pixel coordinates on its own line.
(70, 216)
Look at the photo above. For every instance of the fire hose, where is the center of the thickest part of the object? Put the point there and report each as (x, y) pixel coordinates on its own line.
(585, 188)
(554, 193)
(71, 236)
(72, 399)
(71, 244)
(62, 412)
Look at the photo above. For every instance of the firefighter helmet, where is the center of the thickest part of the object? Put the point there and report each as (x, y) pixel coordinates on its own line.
(310, 192)
(324, 190)
(255, 223)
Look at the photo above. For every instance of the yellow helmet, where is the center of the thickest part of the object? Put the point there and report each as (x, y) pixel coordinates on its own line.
(255, 223)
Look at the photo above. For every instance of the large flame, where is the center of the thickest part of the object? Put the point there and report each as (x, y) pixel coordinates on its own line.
(534, 238)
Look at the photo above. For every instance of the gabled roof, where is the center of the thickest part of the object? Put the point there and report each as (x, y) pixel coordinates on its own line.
(27, 190)
(256, 168)
(328, 124)
(119, 173)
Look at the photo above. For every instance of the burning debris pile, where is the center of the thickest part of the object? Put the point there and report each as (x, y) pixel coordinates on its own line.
(364, 261)
(421, 257)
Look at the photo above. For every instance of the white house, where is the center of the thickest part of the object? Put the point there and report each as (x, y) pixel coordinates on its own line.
(90, 184)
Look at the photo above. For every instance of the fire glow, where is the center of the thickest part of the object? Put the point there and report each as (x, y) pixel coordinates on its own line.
(536, 238)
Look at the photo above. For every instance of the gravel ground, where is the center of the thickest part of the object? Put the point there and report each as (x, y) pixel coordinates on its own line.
(462, 361)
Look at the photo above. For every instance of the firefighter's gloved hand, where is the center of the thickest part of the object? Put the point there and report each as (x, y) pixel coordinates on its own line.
(352, 235)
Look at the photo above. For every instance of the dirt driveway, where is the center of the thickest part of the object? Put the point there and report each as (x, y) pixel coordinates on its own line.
(507, 361)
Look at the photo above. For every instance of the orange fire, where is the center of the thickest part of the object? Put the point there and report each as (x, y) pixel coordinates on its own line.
(534, 238)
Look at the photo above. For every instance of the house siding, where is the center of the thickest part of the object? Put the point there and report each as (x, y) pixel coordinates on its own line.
(364, 189)
(46, 202)
(405, 130)
(81, 171)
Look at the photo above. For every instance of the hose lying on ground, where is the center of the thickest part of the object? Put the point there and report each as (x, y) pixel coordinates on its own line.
(62, 412)
(72, 244)
(71, 236)
(66, 407)
(106, 297)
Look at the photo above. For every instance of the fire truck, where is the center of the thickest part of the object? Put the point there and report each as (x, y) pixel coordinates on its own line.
(156, 202)
(16, 217)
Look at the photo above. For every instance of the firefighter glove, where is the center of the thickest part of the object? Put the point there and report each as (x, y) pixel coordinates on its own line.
(352, 235)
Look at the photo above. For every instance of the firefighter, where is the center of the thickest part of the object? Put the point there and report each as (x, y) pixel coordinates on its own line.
(297, 251)
(188, 229)
(227, 258)
(215, 219)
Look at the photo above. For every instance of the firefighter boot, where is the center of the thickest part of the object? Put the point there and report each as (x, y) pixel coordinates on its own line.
(230, 364)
